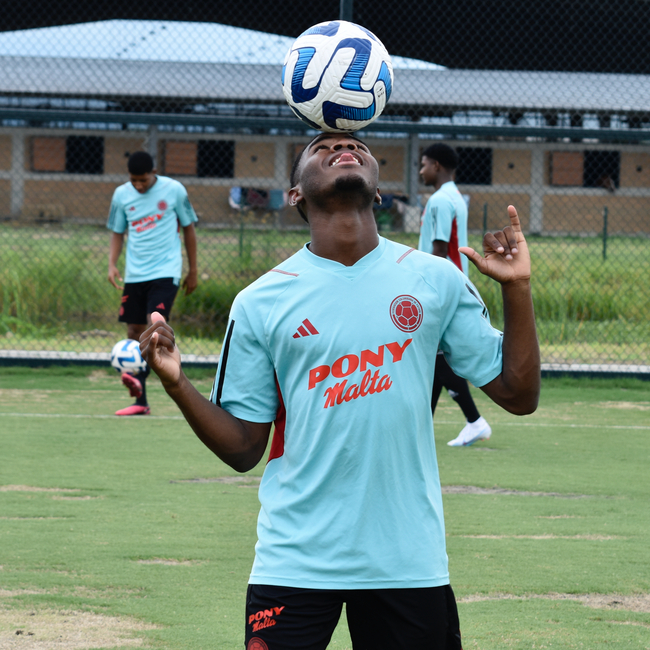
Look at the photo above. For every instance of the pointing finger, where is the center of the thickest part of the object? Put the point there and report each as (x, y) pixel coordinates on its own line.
(514, 219)
(157, 317)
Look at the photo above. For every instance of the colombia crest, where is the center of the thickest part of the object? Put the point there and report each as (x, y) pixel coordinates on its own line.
(406, 313)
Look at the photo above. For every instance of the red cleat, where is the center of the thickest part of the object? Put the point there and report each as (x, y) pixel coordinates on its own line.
(133, 384)
(134, 410)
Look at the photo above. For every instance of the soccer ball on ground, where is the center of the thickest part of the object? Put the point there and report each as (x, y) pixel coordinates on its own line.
(337, 77)
(126, 357)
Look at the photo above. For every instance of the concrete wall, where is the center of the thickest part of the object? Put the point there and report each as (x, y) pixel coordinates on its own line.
(539, 178)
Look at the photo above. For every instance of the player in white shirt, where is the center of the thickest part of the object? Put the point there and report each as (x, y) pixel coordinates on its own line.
(442, 232)
(151, 210)
(336, 347)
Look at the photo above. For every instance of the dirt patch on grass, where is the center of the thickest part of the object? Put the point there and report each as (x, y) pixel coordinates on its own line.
(241, 481)
(559, 517)
(49, 629)
(31, 488)
(634, 603)
(627, 406)
(597, 538)
(472, 489)
(169, 561)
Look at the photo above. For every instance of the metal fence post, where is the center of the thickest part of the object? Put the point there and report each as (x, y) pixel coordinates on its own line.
(605, 215)
(346, 10)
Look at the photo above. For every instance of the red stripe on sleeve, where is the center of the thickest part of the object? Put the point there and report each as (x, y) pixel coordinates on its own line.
(277, 444)
(452, 249)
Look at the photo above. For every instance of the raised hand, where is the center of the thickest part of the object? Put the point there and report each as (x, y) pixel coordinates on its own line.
(158, 347)
(506, 258)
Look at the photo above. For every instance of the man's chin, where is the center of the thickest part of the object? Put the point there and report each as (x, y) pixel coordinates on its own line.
(352, 182)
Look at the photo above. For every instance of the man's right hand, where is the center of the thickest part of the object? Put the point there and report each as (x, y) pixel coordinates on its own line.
(158, 348)
(114, 277)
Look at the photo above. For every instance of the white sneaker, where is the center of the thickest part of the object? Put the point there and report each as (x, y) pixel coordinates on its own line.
(479, 430)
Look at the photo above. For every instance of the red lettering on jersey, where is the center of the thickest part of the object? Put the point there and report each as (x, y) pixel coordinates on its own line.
(397, 350)
(376, 359)
(352, 362)
(337, 366)
(370, 385)
(318, 374)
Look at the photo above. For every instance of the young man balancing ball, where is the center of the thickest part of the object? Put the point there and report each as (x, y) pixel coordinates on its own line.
(337, 347)
(152, 209)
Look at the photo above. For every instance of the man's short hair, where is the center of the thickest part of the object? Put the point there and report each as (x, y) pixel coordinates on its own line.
(140, 163)
(442, 153)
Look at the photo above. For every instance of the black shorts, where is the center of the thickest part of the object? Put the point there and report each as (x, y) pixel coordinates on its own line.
(286, 618)
(142, 298)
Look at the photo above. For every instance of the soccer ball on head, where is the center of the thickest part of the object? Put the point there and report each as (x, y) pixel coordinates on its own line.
(126, 357)
(337, 77)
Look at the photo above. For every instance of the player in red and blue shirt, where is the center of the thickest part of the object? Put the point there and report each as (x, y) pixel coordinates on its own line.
(337, 347)
(150, 210)
(443, 231)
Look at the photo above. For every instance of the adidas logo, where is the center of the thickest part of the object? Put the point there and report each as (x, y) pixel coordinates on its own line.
(306, 329)
(160, 306)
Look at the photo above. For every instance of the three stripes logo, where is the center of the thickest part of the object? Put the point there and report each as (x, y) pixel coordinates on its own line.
(306, 329)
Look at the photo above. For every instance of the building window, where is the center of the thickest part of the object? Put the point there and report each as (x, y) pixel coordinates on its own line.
(474, 166)
(84, 154)
(216, 159)
(602, 169)
(586, 169)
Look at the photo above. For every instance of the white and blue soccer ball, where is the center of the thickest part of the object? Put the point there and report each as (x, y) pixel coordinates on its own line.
(337, 77)
(126, 357)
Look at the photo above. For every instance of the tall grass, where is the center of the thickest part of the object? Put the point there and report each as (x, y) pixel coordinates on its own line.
(53, 284)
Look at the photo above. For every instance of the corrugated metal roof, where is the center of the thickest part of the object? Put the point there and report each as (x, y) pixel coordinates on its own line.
(156, 40)
(114, 79)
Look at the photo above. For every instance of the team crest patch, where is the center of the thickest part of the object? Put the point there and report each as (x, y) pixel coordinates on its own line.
(162, 205)
(256, 644)
(406, 313)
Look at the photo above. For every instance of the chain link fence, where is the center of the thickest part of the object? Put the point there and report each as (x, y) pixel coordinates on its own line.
(546, 109)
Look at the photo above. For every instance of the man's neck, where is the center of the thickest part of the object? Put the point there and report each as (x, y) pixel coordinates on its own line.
(442, 179)
(343, 237)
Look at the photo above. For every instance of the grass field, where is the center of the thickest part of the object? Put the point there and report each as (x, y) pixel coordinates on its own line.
(120, 533)
(54, 294)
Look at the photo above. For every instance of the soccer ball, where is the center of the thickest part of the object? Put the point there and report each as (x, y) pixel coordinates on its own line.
(126, 357)
(337, 77)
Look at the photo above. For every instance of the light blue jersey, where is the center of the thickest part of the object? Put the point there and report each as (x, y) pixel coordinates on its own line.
(445, 218)
(153, 219)
(342, 359)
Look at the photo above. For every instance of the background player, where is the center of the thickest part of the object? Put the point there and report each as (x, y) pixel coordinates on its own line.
(442, 232)
(153, 208)
(351, 499)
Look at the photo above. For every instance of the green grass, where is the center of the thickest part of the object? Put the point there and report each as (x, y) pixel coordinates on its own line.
(101, 518)
(54, 294)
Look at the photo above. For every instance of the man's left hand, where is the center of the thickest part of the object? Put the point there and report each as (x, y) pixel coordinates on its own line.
(190, 282)
(506, 258)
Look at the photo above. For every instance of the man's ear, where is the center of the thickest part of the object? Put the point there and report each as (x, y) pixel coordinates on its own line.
(295, 196)
(378, 197)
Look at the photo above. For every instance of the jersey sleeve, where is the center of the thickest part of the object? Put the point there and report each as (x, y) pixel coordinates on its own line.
(444, 212)
(245, 383)
(425, 243)
(117, 216)
(472, 347)
(184, 209)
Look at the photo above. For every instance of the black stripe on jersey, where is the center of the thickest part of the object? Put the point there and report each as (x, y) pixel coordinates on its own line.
(224, 361)
(485, 309)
